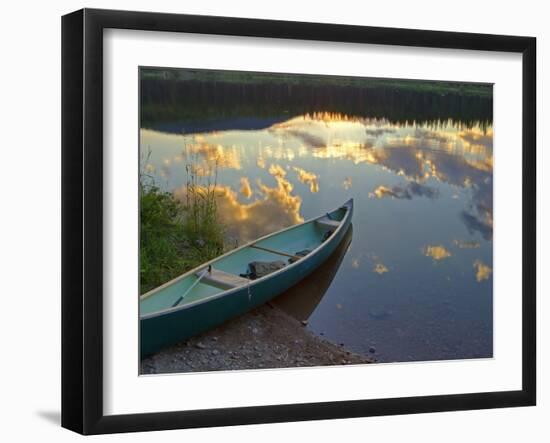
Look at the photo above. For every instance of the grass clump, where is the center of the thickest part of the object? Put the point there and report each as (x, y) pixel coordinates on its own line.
(177, 234)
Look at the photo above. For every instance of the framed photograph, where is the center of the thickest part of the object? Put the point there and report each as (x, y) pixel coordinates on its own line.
(269, 221)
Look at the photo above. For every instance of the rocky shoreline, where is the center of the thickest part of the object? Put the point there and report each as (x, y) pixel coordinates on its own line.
(266, 337)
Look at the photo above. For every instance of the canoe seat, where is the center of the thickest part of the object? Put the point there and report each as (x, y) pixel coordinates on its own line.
(326, 222)
(223, 280)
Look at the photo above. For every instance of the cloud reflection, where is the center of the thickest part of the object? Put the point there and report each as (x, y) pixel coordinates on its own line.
(405, 192)
(260, 162)
(439, 153)
(436, 252)
(246, 190)
(377, 132)
(308, 178)
(476, 139)
(347, 183)
(458, 157)
(475, 224)
(212, 156)
(466, 244)
(277, 171)
(380, 268)
(309, 140)
(483, 272)
(277, 208)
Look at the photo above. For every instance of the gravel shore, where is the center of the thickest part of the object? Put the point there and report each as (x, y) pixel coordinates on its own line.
(266, 337)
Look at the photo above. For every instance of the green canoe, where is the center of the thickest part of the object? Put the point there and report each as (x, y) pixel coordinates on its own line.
(238, 281)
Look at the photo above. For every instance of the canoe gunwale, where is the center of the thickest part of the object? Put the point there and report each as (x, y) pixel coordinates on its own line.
(252, 283)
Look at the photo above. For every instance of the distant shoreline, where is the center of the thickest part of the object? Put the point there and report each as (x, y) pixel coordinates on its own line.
(178, 95)
(268, 78)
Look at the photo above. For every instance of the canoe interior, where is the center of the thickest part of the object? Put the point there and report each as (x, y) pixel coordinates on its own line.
(304, 236)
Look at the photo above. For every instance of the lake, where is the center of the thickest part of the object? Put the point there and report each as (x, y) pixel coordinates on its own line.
(414, 281)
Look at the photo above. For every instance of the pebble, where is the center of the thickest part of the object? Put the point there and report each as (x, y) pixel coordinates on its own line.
(304, 322)
(200, 345)
(215, 352)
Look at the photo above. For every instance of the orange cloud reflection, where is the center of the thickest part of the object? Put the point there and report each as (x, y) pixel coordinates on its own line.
(246, 190)
(483, 272)
(244, 222)
(308, 178)
(380, 268)
(436, 252)
(212, 156)
(277, 171)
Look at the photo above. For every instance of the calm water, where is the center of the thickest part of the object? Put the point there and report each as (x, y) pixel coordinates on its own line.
(414, 278)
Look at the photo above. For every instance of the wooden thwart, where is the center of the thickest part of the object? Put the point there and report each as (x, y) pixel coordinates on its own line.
(328, 223)
(223, 280)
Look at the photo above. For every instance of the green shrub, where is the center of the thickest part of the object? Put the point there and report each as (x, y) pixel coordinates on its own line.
(176, 236)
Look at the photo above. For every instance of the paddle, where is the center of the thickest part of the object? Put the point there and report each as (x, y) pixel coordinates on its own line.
(178, 301)
(276, 252)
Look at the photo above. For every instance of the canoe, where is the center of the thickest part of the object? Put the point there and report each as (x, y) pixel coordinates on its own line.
(224, 288)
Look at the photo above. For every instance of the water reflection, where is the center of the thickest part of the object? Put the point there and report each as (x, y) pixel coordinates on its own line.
(407, 191)
(461, 158)
(301, 300)
(380, 268)
(308, 178)
(209, 155)
(274, 209)
(437, 252)
(246, 190)
(430, 188)
(483, 271)
(467, 244)
(347, 183)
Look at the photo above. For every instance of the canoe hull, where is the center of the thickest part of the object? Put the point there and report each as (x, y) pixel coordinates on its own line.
(175, 326)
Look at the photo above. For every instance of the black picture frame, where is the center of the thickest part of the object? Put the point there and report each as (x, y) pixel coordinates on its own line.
(82, 218)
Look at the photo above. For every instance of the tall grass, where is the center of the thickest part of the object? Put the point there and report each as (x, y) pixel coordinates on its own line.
(177, 235)
(202, 224)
